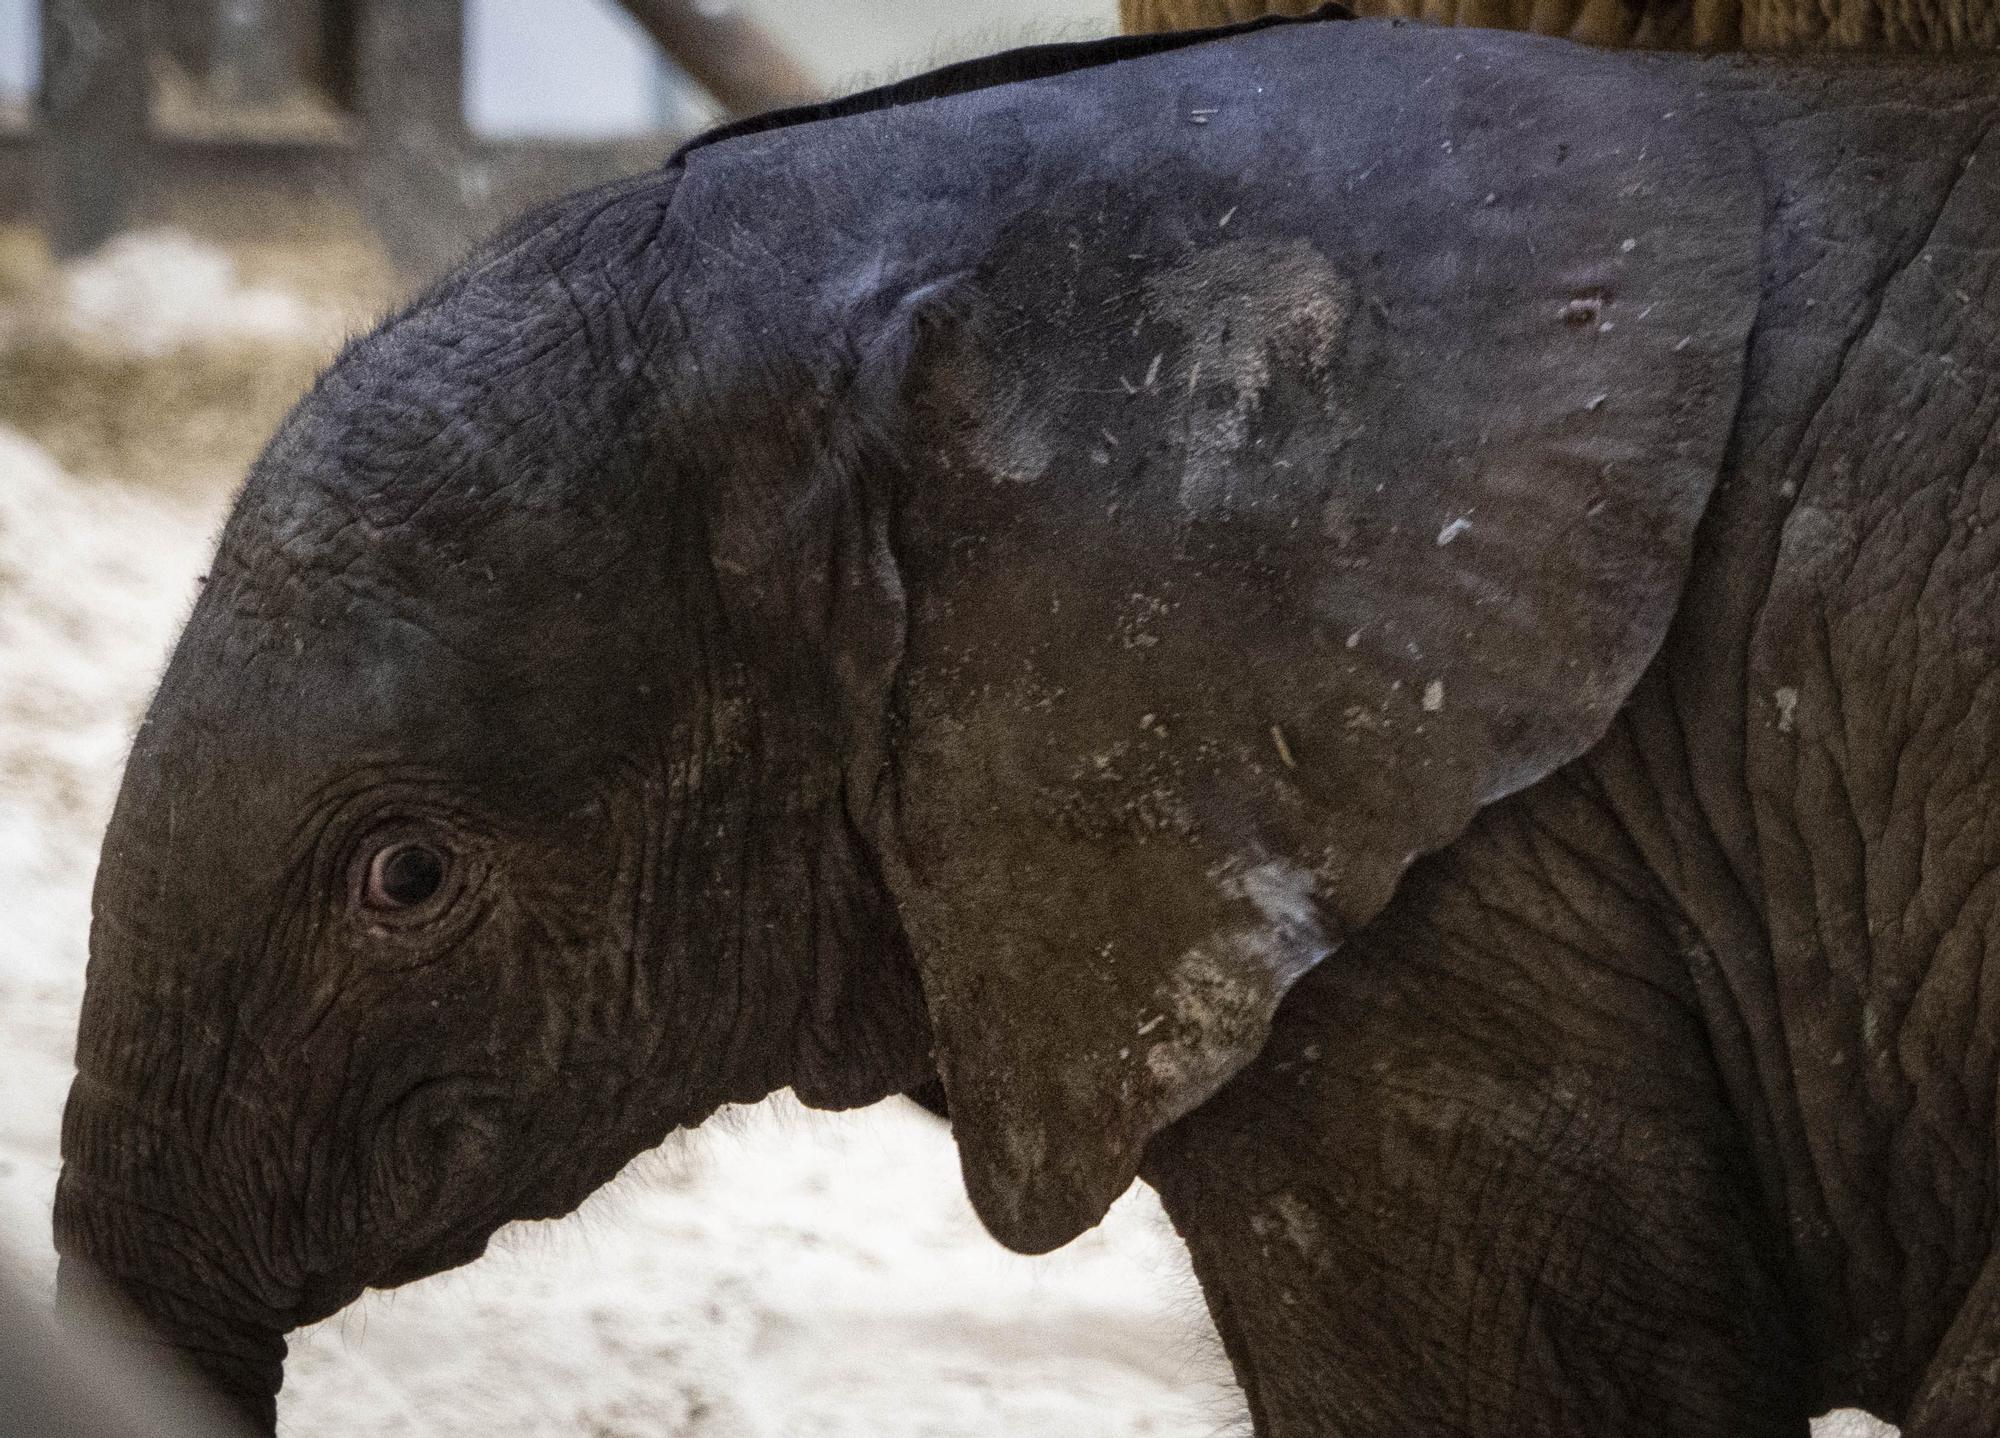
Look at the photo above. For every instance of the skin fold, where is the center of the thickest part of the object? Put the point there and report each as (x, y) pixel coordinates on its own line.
(1386, 627)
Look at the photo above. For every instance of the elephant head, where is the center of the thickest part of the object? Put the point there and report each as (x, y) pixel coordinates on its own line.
(975, 588)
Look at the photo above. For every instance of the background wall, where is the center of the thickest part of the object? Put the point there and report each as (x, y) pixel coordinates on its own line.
(20, 52)
(847, 41)
(581, 67)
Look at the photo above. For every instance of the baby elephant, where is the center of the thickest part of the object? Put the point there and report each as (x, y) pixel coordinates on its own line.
(1397, 630)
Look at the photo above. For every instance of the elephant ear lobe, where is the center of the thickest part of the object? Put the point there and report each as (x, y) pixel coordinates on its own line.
(1252, 556)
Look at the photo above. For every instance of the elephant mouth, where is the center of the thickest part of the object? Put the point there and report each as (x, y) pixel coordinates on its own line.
(434, 1259)
(320, 1297)
(323, 1294)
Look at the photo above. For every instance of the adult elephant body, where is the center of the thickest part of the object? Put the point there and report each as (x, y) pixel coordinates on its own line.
(1878, 26)
(1466, 557)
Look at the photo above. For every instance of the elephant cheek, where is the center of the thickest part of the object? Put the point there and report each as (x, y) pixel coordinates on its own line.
(440, 1191)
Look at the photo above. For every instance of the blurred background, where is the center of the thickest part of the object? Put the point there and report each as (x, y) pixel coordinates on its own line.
(428, 119)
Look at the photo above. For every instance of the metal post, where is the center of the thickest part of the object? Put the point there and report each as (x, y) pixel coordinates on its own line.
(94, 147)
(262, 51)
(419, 186)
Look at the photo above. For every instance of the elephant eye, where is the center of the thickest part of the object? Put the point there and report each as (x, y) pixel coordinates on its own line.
(403, 875)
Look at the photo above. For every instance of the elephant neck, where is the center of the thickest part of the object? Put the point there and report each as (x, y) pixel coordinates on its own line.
(773, 953)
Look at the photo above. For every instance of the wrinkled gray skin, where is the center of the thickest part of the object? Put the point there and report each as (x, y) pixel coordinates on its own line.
(1393, 627)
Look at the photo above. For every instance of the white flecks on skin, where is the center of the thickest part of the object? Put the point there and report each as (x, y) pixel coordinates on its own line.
(1453, 530)
(1584, 309)
(1134, 624)
(1284, 749)
(1220, 998)
(1302, 1227)
(1434, 696)
(1787, 700)
(1287, 896)
(1218, 1003)
(1354, 716)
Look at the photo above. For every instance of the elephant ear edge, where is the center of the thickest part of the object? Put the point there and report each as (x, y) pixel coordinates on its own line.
(1388, 511)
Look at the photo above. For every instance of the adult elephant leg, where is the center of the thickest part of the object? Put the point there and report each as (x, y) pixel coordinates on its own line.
(1482, 1180)
(1960, 1397)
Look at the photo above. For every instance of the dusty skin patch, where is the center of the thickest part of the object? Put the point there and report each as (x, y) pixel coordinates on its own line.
(1786, 701)
(1251, 311)
(1014, 439)
(1214, 1015)
(1218, 1007)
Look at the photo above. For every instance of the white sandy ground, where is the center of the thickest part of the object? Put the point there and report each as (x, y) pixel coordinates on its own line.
(778, 1275)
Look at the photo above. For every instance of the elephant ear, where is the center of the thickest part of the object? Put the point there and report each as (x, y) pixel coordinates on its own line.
(1280, 502)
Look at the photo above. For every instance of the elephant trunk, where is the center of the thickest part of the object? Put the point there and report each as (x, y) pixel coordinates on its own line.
(132, 1277)
(175, 1235)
